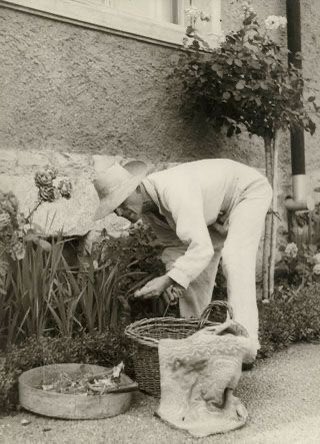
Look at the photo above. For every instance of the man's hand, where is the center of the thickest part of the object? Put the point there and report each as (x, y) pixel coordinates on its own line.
(154, 288)
(173, 293)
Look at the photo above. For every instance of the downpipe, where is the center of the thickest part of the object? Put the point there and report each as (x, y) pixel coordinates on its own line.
(299, 200)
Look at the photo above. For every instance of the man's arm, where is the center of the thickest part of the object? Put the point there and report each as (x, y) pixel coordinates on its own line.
(184, 201)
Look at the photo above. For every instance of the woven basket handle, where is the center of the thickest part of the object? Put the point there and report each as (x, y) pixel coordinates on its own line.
(206, 312)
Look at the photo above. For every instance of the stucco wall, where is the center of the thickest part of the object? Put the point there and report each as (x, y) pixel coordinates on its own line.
(311, 63)
(70, 89)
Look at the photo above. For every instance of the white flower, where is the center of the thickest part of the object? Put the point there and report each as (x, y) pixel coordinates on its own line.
(275, 22)
(193, 13)
(316, 258)
(17, 251)
(316, 269)
(247, 8)
(291, 250)
(138, 224)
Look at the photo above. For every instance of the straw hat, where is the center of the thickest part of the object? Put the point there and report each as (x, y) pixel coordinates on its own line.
(115, 183)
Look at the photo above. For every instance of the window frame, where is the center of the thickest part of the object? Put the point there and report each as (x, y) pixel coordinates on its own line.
(109, 20)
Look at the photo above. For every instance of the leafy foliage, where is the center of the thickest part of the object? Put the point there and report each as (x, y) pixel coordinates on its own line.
(137, 258)
(244, 82)
(44, 295)
(293, 316)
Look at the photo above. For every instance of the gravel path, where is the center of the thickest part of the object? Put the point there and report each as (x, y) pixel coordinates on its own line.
(281, 394)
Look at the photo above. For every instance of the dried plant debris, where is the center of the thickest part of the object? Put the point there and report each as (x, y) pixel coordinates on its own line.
(85, 383)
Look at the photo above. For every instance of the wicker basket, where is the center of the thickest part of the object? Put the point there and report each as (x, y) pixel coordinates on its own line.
(145, 336)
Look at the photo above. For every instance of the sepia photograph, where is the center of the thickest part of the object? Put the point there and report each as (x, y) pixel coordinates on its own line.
(159, 221)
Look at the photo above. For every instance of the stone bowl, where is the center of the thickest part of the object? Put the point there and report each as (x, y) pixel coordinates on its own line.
(72, 406)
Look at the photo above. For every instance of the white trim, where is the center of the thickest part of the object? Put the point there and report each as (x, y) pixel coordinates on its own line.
(102, 17)
(107, 19)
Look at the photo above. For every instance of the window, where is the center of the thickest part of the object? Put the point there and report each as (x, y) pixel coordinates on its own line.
(163, 10)
(152, 9)
(156, 20)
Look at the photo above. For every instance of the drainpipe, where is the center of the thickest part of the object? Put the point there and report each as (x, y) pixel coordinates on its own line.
(299, 200)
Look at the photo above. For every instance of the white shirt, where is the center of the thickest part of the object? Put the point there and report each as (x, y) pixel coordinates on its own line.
(191, 197)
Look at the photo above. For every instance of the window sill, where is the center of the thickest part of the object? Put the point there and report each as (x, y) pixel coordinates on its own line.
(102, 19)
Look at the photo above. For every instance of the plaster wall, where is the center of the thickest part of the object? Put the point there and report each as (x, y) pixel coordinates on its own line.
(69, 89)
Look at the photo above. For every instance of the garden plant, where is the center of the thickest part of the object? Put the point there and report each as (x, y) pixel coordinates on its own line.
(246, 83)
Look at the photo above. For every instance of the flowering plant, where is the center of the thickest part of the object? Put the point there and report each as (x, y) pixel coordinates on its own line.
(10, 242)
(10, 224)
(246, 83)
(48, 191)
(299, 266)
(14, 226)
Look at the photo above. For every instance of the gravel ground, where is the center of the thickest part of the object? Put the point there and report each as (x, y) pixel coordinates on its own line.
(281, 395)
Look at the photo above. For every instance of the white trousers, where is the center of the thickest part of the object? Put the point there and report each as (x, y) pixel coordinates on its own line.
(238, 249)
